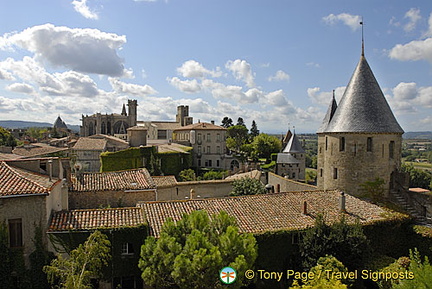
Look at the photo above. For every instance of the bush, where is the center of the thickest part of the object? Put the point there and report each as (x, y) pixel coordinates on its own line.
(247, 186)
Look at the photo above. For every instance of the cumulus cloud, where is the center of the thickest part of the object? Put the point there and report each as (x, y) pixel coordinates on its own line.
(83, 50)
(324, 97)
(413, 51)
(241, 70)
(130, 88)
(81, 7)
(279, 76)
(21, 88)
(353, 21)
(192, 68)
(429, 31)
(405, 91)
(276, 98)
(6, 75)
(188, 86)
(413, 16)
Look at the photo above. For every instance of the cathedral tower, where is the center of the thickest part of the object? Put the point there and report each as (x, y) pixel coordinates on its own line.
(360, 139)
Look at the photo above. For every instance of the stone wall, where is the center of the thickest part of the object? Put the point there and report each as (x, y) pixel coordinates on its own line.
(348, 168)
(103, 199)
(287, 185)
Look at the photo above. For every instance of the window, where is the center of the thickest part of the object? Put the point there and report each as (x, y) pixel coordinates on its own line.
(208, 138)
(218, 138)
(321, 172)
(342, 144)
(210, 163)
(335, 173)
(326, 143)
(15, 233)
(218, 149)
(162, 134)
(208, 149)
(127, 249)
(391, 149)
(217, 163)
(369, 144)
(199, 137)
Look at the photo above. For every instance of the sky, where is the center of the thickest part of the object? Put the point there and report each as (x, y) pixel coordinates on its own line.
(272, 61)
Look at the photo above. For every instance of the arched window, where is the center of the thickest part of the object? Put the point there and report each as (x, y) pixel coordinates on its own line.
(103, 128)
(369, 144)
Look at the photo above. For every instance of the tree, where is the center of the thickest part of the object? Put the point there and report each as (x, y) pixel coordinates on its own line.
(84, 262)
(237, 136)
(241, 122)
(191, 252)
(6, 138)
(227, 122)
(265, 145)
(322, 280)
(418, 178)
(247, 186)
(421, 272)
(254, 131)
(346, 242)
(187, 175)
(373, 189)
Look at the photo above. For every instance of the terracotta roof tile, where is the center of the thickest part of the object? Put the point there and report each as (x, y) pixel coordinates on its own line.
(164, 181)
(268, 212)
(91, 219)
(201, 126)
(16, 181)
(86, 143)
(37, 149)
(138, 179)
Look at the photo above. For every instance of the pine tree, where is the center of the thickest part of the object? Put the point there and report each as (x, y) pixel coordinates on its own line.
(254, 131)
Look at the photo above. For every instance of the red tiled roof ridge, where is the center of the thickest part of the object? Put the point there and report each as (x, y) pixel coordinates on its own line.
(19, 174)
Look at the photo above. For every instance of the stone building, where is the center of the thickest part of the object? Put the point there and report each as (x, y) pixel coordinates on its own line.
(208, 143)
(360, 139)
(110, 124)
(291, 162)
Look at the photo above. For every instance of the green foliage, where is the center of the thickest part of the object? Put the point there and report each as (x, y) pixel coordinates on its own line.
(346, 242)
(322, 280)
(265, 145)
(237, 136)
(241, 122)
(84, 262)
(400, 265)
(214, 175)
(6, 138)
(247, 186)
(187, 175)
(37, 132)
(311, 176)
(418, 178)
(254, 131)
(194, 244)
(6, 267)
(39, 258)
(227, 122)
(373, 189)
(422, 272)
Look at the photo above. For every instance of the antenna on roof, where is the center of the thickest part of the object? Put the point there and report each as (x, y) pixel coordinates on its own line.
(361, 23)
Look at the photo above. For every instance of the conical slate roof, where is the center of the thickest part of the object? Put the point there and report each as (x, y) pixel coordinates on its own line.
(329, 115)
(59, 123)
(293, 145)
(363, 107)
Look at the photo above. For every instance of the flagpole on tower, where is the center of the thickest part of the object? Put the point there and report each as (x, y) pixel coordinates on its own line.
(361, 23)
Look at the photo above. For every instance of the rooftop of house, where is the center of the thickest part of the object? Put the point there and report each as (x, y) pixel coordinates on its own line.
(286, 158)
(173, 148)
(15, 182)
(164, 181)
(90, 144)
(137, 179)
(269, 212)
(254, 174)
(201, 126)
(37, 149)
(92, 219)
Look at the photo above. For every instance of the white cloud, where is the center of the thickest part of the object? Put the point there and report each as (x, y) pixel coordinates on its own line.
(21, 88)
(429, 31)
(81, 7)
(414, 16)
(405, 91)
(6, 75)
(279, 76)
(353, 21)
(413, 51)
(83, 50)
(241, 70)
(192, 68)
(130, 88)
(325, 97)
(313, 64)
(188, 86)
(276, 98)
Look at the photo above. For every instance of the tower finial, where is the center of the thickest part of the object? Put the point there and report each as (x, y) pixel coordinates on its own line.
(361, 23)
(333, 94)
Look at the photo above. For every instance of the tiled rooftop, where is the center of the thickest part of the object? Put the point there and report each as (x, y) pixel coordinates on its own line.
(36, 149)
(164, 181)
(138, 179)
(201, 126)
(173, 148)
(86, 143)
(268, 212)
(91, 219)
(254, 174)
(16, 181)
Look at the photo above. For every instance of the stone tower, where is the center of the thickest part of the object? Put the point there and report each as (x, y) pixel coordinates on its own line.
(360, 139)
(132, 115)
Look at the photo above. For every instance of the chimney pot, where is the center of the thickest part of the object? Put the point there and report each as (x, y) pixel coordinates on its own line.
(304, 208)
(342, 199)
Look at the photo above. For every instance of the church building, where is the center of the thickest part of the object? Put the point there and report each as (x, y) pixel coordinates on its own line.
(359, 140)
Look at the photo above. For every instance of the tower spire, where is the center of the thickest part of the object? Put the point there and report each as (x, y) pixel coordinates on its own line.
(361, 23)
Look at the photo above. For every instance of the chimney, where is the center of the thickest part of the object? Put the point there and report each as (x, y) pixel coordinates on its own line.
(50, 169)
(342, 207)
(304, 208)
(191, 194)
(212, 122)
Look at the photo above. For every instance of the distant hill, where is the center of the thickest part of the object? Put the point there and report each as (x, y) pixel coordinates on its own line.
(418, 135)
(12, 124)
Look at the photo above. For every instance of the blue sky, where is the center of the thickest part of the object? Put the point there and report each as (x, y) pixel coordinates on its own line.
(275, 62)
